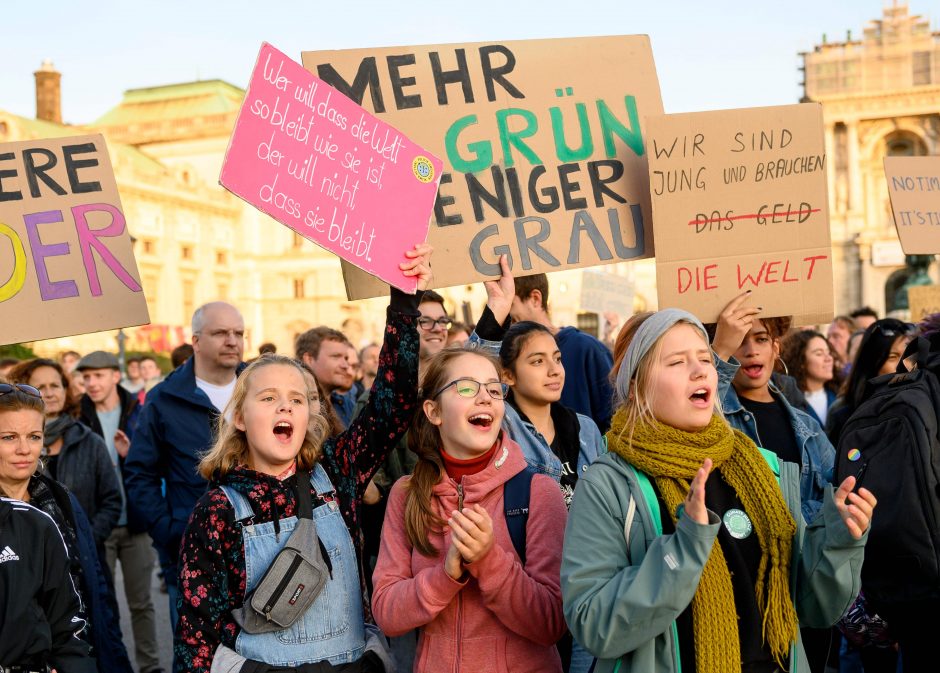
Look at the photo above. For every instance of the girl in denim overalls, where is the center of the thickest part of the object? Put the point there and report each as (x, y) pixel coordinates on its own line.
(249, 512)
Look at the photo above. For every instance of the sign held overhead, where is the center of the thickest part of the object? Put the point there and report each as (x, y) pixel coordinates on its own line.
(914, 190)
(319, 164)
(740, 203)
(66, 261)
(542, 144)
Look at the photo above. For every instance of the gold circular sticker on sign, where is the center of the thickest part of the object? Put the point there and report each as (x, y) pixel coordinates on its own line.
(423, 169)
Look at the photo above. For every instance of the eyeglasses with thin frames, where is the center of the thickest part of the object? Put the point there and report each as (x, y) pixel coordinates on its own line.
(8, 388)
(471, 388)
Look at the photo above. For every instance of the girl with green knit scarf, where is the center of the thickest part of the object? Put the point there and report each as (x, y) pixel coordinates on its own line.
(685, 549)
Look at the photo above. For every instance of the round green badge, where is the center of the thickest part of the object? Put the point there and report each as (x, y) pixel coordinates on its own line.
(737, 523)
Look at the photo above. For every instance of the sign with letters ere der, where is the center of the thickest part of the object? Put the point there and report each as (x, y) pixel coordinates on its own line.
(66, 261)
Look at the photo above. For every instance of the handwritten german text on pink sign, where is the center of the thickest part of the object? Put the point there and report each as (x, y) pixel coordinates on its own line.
(318, 163)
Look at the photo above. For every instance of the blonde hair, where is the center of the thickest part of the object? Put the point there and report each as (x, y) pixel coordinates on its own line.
(231, 444)
(638, 404)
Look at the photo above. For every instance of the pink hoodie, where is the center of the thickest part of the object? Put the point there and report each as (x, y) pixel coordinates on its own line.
(504, 618)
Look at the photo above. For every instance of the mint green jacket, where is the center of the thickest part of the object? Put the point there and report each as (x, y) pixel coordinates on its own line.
(621, 601)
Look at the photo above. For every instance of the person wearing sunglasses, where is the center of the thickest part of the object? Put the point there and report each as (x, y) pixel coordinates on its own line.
(447, 564)
(42, 616)
(879, 353)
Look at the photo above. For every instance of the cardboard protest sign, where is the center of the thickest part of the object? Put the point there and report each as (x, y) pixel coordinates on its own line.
(602, 292)
(318, 163)
(914, 189)
(924, 300)
(740, 203)
(66, 261)
(542, 143)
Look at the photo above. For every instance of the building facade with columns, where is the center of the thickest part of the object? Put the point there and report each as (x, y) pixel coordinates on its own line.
(880, 96)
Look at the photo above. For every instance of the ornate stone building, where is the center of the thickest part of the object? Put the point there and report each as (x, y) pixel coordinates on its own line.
(880, 96)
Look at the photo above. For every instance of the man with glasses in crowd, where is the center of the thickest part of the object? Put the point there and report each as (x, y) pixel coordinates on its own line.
(176, 427)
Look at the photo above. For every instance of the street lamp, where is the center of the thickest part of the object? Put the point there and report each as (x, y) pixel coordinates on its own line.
(121, 339)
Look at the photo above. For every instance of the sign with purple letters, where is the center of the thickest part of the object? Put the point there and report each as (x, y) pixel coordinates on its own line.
(316, 162)
(66, 260)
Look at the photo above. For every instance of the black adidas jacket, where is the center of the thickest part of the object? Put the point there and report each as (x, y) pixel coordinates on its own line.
(38, 603)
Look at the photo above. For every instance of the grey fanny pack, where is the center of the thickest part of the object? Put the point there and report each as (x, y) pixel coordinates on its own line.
(295, 577)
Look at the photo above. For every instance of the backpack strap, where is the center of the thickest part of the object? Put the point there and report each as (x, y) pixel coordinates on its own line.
(772, 460)
(652, 503)
(516, 494)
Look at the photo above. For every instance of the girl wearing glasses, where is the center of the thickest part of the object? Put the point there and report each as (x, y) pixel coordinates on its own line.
(447, 565)
(685, 548)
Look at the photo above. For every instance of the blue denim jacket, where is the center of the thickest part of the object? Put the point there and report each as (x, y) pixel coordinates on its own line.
(538, 453)
(815, 448)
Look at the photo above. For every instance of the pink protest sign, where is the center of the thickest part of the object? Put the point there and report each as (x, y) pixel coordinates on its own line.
(318, 163)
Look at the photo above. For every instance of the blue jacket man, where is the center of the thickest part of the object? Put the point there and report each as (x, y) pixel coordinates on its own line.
(176, 426)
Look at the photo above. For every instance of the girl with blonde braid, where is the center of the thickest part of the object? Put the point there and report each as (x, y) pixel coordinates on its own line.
(685, 549)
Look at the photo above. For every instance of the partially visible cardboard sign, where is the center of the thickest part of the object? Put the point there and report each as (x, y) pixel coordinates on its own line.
(740, 203)
(924, 300)
(542, 142)
(66, 261)
(914, 189)
(603, 292)
(318, 163)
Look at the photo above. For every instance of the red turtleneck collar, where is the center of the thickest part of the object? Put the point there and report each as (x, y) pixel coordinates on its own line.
(457, 469)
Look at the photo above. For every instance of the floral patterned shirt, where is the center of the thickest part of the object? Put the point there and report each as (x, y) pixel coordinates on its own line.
(212, 564)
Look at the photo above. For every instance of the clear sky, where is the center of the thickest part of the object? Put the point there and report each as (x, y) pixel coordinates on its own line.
(709, 54)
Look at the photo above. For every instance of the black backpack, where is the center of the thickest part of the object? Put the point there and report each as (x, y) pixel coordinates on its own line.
(892, 444)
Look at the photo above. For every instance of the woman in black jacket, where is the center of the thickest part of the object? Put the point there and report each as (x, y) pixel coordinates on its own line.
(72, 454)
(40, 610)
(879, 353)
(21, 440)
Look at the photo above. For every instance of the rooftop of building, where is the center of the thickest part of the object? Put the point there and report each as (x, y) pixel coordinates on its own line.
(174, 101)
(15, 128)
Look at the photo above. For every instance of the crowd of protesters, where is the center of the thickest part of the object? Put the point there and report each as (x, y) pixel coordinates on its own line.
(507, 496)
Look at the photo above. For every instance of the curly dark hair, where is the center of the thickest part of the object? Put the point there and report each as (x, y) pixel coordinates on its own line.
(793, 353)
